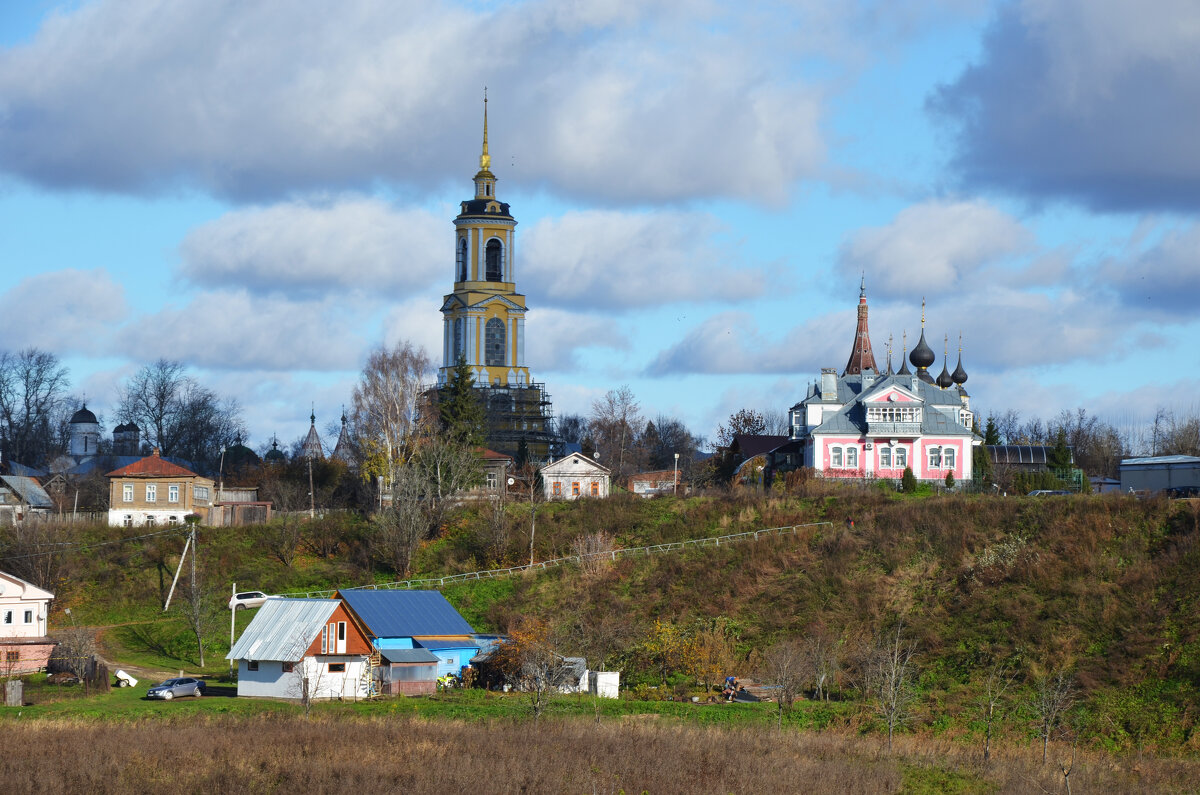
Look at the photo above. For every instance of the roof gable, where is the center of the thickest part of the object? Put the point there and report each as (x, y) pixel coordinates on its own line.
(574, 462)
(13, 586)
(405, 614)
(891, 393)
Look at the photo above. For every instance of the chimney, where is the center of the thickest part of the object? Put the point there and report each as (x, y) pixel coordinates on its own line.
(828, 383)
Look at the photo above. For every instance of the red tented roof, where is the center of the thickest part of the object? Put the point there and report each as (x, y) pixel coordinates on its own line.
(153, 466)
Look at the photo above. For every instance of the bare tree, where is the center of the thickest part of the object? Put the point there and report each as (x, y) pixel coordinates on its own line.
(1054, 694)
(891, 676)
(178, 415)
(993, 701)
(528, 660)
(399, 528)
(784, 666)
(823, 662)
(385, 407)
(593, 550)
(283, 535)
(33, 395)
(777, 422)
(614, 426)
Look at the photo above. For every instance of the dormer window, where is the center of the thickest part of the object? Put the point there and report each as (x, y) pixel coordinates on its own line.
(893, 413)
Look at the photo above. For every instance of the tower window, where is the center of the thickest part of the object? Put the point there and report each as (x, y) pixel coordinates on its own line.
(459, 345)
(494, 342)
(495, 268)
(462, 259)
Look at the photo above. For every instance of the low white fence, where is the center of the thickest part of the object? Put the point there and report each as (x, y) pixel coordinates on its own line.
(615, 554)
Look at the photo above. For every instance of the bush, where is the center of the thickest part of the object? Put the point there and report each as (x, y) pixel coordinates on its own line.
(949, 480)
(908, 482)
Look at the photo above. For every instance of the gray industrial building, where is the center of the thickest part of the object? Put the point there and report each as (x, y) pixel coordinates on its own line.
(1160, 473)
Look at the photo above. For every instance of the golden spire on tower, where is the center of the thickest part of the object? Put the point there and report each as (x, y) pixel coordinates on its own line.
(485, 160)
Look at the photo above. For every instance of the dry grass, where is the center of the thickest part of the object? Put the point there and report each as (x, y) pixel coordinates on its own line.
(229, 754)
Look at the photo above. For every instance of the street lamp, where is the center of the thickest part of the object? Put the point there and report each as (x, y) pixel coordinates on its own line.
(676, 489)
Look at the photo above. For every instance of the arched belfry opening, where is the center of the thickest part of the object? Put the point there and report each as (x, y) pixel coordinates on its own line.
(494, 257)
(462, 259)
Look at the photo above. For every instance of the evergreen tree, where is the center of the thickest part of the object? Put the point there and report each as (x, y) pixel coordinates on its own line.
(908, 481)
(522, 457)
(981, 464)
(949, 480)
(460, 409)
(1058, 460)
(991, 434)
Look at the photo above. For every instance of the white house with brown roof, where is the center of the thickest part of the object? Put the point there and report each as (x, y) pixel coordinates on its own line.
(574, 476)
(154, 491)
(24, 646)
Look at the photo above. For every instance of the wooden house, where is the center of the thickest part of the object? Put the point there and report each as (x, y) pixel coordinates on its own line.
(574, 476)
(295, 648)
(155, 491)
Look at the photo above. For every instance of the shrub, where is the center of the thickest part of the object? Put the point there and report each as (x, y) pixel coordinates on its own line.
(908, 482)
(949, 480)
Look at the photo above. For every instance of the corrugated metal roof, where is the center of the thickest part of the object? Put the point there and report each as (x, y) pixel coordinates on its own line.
(1160, 460)
(447, 644)
(29, 490)
(409, 656)
(393, 614)
(283, 629)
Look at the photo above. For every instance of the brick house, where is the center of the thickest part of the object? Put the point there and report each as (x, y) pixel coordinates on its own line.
(24, 646)
(154, 491)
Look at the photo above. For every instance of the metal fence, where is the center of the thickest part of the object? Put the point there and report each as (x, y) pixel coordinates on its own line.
(614, 554)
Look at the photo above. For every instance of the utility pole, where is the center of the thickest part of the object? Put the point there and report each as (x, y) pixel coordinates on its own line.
(675, 491)
(232, 612)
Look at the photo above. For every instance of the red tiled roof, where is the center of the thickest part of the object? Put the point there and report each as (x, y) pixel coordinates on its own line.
(489, 455)
(152, 466)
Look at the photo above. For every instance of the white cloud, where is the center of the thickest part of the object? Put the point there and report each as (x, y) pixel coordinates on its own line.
(252, 99)
(347, 245)
(935, 248)
(1161, 280)
(556, 339)
(618, 260)
(234, 330)
(66, 311)
(1096, 101)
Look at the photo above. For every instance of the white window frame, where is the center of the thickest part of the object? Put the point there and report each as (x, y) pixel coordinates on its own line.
(835, 457)
(851, 458)
(948, 456)
(28, 617)
(151, 492)
(885, 457)
(127, 492)
(491, 480)
(935, 457)
(901, 456)
(173, 492)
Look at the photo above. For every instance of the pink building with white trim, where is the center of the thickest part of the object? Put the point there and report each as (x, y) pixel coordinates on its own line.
(868, 424)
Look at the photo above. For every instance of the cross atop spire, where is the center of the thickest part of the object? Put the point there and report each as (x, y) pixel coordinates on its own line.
(485, 160)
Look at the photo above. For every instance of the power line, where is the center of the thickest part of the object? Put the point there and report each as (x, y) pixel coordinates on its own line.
(65, 545)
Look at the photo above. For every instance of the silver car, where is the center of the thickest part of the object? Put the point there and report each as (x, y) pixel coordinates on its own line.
(245, 599)
(184, 686)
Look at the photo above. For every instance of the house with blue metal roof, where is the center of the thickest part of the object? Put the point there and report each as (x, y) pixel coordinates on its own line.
(414, 620)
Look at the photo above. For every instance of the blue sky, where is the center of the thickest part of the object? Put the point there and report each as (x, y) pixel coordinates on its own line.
(266, 195)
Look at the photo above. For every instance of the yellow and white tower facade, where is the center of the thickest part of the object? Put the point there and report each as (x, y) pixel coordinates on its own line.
(484, 318)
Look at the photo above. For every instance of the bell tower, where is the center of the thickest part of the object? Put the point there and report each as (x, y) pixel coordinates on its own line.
(484, 317)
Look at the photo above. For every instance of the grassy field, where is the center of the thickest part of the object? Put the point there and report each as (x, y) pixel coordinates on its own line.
(195, 747)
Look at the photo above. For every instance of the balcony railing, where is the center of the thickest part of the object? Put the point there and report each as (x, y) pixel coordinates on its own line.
(893, 428)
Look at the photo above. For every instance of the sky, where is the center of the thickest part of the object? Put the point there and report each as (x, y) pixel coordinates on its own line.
(265, 191)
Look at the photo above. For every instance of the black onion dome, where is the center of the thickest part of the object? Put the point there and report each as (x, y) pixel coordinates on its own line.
(959, 376)
(943, 379)
(924, 375)
(922, 355)
(83, 416)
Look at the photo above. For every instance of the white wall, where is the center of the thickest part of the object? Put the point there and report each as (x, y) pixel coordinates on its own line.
(270, 681)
